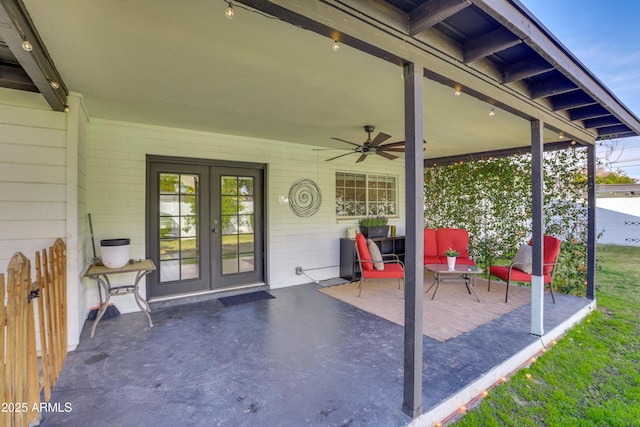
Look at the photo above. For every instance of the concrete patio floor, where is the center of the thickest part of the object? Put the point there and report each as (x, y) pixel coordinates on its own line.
(300, 359)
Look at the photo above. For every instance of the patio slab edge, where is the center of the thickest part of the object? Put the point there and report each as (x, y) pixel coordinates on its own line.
(471, 393)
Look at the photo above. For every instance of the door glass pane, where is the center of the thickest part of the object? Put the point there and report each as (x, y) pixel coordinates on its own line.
(246, 252)
(245, 205)
(237, 206)
(179, 226)
(170, 271)
(245, 224)
(245, 185)
(229, 224)
(230, 245)
(169, 249)
(229, 204)
(229, 185)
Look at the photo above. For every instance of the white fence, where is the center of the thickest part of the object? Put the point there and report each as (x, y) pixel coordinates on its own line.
(618, 220)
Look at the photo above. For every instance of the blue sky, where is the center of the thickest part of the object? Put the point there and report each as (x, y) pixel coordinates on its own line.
(605, 36)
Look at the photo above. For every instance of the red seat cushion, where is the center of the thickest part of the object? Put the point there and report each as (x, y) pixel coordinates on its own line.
(430, 246)
(436, 242)
(551, 251)
(456, 238)
(502, 272)
(363, 252)
(391, 271)
(433, 260)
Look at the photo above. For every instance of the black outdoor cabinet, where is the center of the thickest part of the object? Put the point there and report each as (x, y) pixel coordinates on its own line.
(349, 269)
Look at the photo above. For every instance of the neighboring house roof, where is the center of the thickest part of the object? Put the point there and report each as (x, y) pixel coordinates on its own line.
(183, 65)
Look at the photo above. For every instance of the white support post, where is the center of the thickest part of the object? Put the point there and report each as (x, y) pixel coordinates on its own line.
(537, 188)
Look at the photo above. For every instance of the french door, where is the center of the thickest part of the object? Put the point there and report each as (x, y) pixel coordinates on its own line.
(205, 226)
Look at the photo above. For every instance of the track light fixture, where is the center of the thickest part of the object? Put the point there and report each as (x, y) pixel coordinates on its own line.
(492, 112)
(335, 46)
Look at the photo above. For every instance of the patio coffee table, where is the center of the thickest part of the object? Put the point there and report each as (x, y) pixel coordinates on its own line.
(466, 272)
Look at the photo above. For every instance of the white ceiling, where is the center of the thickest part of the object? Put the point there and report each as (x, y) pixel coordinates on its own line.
(182, 64)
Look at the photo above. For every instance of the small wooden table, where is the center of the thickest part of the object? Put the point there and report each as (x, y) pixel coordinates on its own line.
(101, 274)
(462, 271)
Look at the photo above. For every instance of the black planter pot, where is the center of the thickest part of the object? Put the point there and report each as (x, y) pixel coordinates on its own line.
(375, 231)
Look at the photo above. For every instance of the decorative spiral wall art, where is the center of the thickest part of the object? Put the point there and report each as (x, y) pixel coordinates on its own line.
(304, 197)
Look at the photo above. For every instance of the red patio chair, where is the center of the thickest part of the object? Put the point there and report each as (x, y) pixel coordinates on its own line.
(369, 266)
(510, 274)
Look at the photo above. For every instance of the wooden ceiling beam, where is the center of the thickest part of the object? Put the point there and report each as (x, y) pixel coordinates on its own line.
(601, 122)
(14, 77)
(555, 86)
(526, 68)
(616, 136)
(589, 112)
(16, 28)
(432, 12)
(485, 155)
(571, 100)
(488, 44)
(613, 130)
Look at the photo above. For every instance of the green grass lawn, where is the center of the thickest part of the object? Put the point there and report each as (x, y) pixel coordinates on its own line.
(591, 377)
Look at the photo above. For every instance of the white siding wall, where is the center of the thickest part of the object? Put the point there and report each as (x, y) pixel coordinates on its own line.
(76, 216)
(37, 178)
(32, 176)
(115, 156)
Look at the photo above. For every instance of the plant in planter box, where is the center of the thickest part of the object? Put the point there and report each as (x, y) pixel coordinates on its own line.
(374, 226)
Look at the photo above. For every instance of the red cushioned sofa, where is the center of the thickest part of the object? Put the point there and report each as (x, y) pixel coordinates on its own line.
(436, 242)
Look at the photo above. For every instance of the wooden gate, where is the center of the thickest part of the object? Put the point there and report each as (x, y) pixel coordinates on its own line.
(28, 376)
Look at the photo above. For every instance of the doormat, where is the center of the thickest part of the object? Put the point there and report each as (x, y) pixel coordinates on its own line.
(241, 299)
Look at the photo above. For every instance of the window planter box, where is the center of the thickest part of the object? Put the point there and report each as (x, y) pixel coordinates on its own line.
(375, 231)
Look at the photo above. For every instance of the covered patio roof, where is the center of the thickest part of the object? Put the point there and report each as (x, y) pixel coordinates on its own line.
(186, 66)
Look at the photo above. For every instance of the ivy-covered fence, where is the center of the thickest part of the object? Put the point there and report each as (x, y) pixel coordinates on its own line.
(492, 200)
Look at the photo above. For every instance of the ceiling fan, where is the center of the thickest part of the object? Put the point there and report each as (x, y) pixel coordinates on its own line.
(372, 146)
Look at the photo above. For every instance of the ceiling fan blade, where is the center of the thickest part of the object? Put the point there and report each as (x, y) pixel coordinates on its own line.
(337, 157)
(348, 142)
(393, 144)
(398, 150)
(362, 158)
(386, 155)
(332, 149)
(379, 139)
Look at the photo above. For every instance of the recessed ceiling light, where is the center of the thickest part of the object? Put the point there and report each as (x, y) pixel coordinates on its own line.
(27, 46)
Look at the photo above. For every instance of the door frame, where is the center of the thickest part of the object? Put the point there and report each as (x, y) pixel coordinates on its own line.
(215, 163)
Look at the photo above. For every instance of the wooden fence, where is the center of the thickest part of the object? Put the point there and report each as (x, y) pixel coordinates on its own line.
(26, 378)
